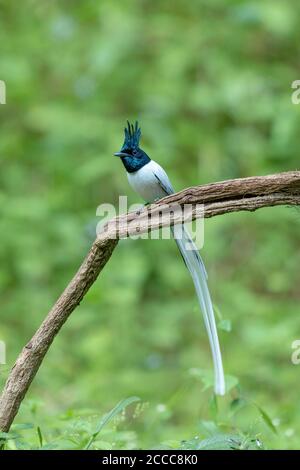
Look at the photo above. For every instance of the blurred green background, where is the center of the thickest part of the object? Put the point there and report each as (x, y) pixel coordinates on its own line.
(210, 83)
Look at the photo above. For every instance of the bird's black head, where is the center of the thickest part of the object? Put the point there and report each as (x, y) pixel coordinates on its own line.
(132, 156)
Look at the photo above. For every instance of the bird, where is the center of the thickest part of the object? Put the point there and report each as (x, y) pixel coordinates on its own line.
(150, 181)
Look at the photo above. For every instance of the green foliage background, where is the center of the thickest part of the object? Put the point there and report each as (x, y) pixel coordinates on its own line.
(210, 82)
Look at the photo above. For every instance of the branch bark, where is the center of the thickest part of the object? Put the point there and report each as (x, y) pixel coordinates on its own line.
(244, 194)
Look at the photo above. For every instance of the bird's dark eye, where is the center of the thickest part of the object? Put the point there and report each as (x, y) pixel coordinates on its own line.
(134, 152)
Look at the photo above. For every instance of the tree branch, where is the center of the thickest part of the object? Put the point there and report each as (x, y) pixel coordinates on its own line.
(245, 194)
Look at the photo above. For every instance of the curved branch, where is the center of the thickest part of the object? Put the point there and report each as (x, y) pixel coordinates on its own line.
(218, 198)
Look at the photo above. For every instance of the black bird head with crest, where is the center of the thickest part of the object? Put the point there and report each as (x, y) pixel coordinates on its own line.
(132, 156)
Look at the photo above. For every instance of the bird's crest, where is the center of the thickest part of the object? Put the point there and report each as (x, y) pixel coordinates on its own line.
(132, 136)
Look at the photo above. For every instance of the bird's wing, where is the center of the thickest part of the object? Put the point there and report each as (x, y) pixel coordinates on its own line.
(196, 267)
(163, 179)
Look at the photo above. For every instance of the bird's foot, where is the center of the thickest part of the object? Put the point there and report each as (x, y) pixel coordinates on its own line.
(152, 202)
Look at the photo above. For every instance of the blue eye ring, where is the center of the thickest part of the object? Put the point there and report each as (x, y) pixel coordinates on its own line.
(134, 152)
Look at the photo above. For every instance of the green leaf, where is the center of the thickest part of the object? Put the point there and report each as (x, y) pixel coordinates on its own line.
(103, 445)
(21, 426)
(208, 428)
(207, 377)
(40, 436)
(50, 446)
(266, 418)
(225, 325)
(237, 404)
(213, 405)
(109, 416)
(8, 435)
(21, 445)
(217, 442)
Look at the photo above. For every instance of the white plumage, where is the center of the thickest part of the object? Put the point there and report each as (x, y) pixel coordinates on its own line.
(146, 184)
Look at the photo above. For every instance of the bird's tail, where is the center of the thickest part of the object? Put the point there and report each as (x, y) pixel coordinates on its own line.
(197, 270)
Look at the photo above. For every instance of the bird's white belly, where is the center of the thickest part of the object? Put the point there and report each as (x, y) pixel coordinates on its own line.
(146, 184)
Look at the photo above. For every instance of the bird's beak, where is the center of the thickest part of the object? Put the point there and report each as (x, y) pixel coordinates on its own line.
(121, 154)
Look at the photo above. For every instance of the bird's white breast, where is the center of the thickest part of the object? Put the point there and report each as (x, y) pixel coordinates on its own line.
(145, 183)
